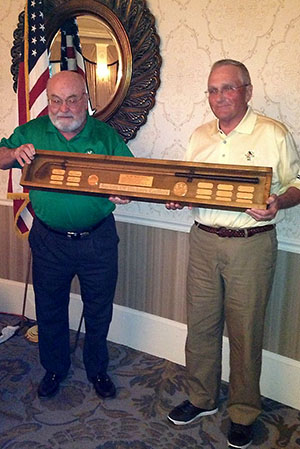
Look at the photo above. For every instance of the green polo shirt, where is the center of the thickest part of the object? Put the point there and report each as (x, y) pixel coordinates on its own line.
(67, 211)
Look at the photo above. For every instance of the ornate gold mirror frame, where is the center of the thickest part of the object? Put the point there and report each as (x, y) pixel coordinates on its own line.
(133, 26)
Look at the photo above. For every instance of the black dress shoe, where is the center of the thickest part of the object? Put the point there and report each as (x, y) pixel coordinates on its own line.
(103, 385)
(49, 385)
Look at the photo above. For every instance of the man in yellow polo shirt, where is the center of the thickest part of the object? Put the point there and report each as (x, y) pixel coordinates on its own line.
(233, 255)
(71, 235)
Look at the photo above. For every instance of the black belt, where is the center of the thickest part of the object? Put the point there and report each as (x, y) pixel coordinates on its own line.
(227, 232)
(74, 235)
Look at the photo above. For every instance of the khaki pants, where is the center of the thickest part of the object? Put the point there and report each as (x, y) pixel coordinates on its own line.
(229, 280)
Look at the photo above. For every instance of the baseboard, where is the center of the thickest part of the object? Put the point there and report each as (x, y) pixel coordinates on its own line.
(164, 338)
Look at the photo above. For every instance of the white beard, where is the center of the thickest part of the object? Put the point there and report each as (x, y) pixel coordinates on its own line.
(67, 125)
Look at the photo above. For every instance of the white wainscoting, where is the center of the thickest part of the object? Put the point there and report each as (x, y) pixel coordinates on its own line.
(164, 338)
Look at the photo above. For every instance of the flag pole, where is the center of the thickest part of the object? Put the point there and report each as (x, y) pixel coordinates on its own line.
(26, 286)
(26, 61)
(78, 333)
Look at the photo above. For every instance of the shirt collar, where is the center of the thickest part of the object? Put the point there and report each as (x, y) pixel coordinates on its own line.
(245, 126)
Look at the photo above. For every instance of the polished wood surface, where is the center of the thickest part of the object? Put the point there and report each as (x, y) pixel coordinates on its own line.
(156, 180)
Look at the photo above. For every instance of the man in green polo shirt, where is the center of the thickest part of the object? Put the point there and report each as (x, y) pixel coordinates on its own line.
(71, 235)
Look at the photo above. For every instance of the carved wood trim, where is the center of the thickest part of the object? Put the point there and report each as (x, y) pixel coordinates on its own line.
(131, 112)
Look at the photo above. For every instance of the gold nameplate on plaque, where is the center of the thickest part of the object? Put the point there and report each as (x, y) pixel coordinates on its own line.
(218, 186)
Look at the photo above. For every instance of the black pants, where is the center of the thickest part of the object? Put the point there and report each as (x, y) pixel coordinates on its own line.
(56, 260)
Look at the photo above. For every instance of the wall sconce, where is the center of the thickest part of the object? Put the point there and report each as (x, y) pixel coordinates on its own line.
(102, 71)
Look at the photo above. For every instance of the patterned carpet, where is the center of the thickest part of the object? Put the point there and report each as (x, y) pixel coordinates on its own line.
(147, 388)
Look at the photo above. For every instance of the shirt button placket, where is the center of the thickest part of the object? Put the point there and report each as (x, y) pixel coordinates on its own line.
(224, 150)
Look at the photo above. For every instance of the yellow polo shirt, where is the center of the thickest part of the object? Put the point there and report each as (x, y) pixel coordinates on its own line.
(256, 141)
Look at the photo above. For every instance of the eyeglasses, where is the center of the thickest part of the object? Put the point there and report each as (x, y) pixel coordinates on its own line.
(71, 102)
(227, 90)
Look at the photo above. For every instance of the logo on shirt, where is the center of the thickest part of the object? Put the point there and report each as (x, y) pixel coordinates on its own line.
(89, 151)
(249, 155)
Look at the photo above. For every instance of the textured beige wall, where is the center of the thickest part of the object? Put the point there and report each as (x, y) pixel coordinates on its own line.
(9, 12)
(263, 34)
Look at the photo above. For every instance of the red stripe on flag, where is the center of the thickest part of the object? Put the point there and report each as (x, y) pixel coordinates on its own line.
(20, 223)
(22, 95)
(9, 186)
(38, 88)
(34, 54)
(70, 53)
(44, 111)
(30, 208)
(81, 72)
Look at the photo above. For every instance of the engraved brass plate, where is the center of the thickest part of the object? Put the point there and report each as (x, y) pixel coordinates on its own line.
(135, 180)
(235, 187)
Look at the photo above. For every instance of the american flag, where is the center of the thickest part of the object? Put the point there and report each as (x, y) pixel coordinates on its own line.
(71, 52)
(32, 99)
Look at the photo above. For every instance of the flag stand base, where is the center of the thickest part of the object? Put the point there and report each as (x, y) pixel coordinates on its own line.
(26, 324)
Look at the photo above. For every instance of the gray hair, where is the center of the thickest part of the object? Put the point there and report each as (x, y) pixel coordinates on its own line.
(244, 71)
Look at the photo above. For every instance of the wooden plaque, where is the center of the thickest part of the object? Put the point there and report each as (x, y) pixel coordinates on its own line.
(218, 186)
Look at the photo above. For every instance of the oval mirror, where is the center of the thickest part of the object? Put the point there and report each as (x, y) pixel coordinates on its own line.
(106, 52)
(121, 51)
(102, 58)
